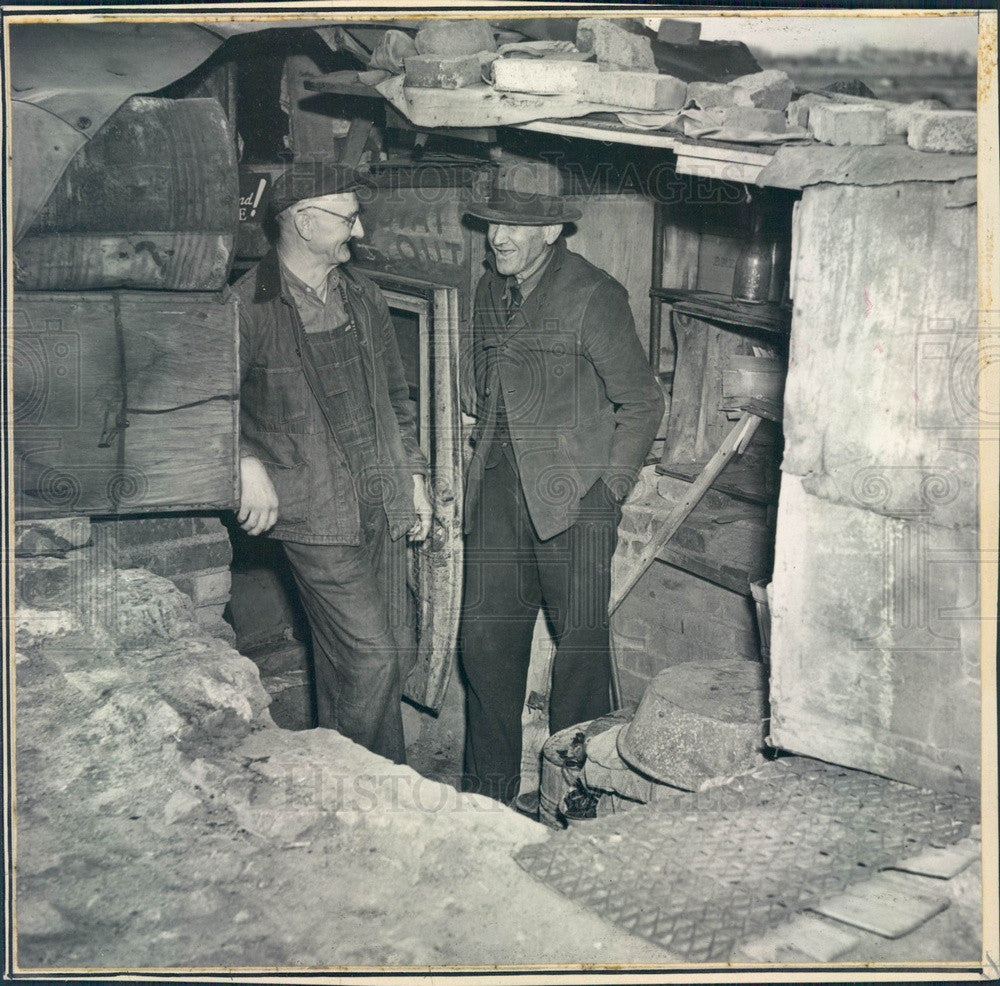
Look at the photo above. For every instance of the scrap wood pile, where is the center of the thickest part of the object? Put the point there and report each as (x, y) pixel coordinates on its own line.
(473, 73)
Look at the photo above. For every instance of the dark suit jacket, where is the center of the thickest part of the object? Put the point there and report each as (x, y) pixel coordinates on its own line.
(582, 403)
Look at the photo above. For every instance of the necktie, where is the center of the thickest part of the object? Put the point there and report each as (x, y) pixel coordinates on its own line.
(515, 299)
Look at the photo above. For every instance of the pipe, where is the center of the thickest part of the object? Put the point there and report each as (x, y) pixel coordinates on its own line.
(656, 283)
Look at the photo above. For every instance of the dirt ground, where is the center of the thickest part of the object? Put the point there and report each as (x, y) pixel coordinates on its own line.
(164, 821)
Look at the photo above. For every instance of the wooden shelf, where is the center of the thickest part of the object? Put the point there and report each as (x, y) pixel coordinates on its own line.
(765, 316)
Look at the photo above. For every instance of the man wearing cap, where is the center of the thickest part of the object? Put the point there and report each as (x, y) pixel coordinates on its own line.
(330, 463)
(566, 410)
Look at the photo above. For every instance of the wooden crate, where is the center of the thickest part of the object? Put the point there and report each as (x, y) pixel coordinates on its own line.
(165, 363)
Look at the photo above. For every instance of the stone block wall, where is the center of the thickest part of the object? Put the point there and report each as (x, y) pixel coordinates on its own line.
(192, 550)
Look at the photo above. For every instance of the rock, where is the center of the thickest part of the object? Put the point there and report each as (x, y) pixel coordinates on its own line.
(699, 720)
(181, 803)
(768, 90)
(752, 119)
(613, 47)
(678, 32)
(797, 112)
(837, 123)
(715, 116)
(899, 116)
(391, 51)
(50, 537)
(454, 38)
(542, 76)
(635, 90)
(435, 72)
(705, 95)
(143, 607)
(43, 583)
(948, 131)
(38, 918)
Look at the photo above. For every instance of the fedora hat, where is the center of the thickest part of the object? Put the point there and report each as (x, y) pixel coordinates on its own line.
(514, 208)
(314, 179)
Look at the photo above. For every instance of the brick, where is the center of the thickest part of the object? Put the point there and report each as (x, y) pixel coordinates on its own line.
(211, 586)
(433, 72)
(676, 32)
(797, 112)
(393, 47)
(455, 38)
(179, 557)
(50, 537)
(705, 95)
(542, 76)
(614, 47)
(900, 115)
(635, 90)
(947, 131)
(769, 90)
(837, 123)
(752, 119)
(148, 530)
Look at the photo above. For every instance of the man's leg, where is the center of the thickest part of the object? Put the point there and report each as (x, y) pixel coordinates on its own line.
(500, 606)
(355, 655)
(575, 571)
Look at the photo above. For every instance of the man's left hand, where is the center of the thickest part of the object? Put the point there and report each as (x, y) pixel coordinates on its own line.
(425, 512)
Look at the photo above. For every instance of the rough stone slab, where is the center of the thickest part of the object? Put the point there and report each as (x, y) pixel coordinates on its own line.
(771, 89)
(943, 131)
(750, 119)
(887, 912)
(797, 111)
(206, 587)
(899, 116)
(50, 537)
(541, 76)
(614, 47)
(454, 38)
(705, 95)
(677, 32)
(42, 582)
(697, 721)
(435, 72)
(942, 864)
(635, 90)
(392, 50)
(816, 939)
(848, 123)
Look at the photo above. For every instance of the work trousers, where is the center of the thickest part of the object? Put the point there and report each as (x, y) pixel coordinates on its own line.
(362, 622)
(509, 574)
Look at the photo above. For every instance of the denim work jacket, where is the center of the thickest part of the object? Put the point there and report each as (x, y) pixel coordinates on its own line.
(581, 401)
(285, 420)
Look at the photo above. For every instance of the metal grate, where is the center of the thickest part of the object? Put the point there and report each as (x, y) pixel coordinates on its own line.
(698, 873)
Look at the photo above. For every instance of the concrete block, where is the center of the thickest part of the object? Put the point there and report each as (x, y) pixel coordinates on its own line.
(770, 90)
(50, 537)
(947, 131)
(636, 90)
(180, 557)
(148, 530)
(705, 95)
(392, 50)
(797, 112)
(676, 32)
(751, 119)
(454, 38)
(900, 115)
(434, 72)
(614, 47)
(542, 76)
(210, 586)
(838, 123)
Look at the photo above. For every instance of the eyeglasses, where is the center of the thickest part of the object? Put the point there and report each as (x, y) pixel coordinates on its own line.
(350, 220)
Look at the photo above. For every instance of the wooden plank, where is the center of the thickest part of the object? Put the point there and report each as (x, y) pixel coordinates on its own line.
(179, 449)
(811, 937)
(885, 911)
(942, 864)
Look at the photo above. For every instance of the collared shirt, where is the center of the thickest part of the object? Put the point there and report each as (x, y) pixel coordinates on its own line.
(335, 350)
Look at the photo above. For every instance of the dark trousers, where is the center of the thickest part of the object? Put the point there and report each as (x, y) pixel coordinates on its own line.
(509, 573)
(361, 619)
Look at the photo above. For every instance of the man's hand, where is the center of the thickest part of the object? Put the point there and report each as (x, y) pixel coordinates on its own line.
(258, 500)
(425, 512)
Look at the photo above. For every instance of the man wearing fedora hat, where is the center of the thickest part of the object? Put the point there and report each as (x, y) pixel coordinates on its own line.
(566, 410)
(330, 463)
